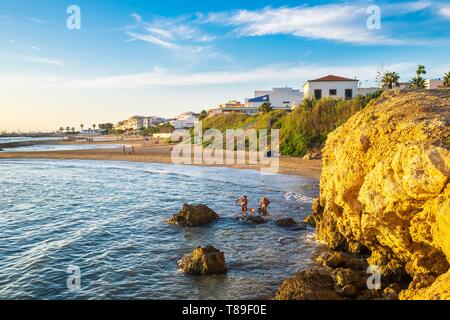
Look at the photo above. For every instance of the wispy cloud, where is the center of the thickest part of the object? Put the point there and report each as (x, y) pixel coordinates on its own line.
(336, 22)
(163, 77)
(54, 62)
(178, 34)
(35, 48)
(38, 20)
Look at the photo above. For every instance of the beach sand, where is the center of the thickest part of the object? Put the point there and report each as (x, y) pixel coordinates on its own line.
(159, 153)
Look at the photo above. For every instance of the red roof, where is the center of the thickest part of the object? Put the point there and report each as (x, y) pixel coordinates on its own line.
(332, 78)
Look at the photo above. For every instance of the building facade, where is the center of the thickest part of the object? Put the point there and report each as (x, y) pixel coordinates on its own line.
(280, 98)
(186, 120)
(330, 86)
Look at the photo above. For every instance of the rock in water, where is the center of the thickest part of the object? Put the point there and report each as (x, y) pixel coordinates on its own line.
(204, 261)
(255, 219)
(290, 223)
(385, 187)
(193, 216)
(308, 285)
(286, 222)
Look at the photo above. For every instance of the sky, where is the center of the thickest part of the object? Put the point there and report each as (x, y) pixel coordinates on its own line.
(145, 57)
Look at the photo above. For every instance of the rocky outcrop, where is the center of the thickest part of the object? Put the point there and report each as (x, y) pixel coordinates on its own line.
(193, 216)
(204, 261)
(385, 190)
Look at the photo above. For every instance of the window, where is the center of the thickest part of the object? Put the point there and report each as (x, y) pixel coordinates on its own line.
(333, 92)
(348, 94)
(317, 94)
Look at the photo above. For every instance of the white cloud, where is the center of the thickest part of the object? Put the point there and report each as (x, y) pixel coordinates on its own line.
(177, 34)
(336, 22)
(35, 48)
(54, 62)
(11, 41)
(38, 21)
(275, 74)
(445, 11)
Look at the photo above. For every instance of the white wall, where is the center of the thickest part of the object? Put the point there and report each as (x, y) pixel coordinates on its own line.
(325, 86)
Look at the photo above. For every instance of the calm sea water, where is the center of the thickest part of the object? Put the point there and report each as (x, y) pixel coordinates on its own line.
(62, 147)
(26, 139)
(108, 219)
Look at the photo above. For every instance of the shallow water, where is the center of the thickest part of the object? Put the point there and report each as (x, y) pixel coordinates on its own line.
(62, 147)
(108, 219)
(28, 139)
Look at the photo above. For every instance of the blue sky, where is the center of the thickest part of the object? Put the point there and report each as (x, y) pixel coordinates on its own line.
(166, 57)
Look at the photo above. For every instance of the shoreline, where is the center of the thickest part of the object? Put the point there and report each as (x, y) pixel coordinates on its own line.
(160, 153)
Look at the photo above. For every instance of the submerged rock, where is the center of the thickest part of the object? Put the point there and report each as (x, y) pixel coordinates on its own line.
(204, 261)
(290, 223)
(256, 219)
(385, 187)
(308, 285)
(193, 216)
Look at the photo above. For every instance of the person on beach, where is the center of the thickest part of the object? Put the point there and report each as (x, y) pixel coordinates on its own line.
(124, 151)
(132, 149)
(263, 205)
(243, 202)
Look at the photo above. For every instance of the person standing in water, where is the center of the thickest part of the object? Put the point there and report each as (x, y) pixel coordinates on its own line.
(243, 202)
(263, 205)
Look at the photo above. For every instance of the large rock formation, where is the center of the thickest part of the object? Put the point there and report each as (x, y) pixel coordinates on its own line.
(204, 261)
(385, 187)
(193, 216)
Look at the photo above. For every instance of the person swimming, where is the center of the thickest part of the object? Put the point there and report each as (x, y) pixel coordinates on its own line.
(263, 206)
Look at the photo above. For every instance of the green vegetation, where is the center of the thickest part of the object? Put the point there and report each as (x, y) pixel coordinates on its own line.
(390, 80)
(418, 82)
(164, 128)
(265, 107)
(305, 128)
(446, 79)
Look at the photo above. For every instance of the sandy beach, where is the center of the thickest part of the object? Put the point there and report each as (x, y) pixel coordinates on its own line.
(158, 153)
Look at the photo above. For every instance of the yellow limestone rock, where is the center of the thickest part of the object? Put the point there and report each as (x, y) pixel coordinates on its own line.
(385, 186)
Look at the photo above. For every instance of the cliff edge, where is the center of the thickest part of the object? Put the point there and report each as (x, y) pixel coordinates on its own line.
(385, 189)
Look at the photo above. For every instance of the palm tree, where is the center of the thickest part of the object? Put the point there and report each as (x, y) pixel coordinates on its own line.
(73, 129)
(417, 83)
(421, 70)
(390, 79)
(67, 129)
(61, 129)
(446, 79)
(81, 126)
(94, 125)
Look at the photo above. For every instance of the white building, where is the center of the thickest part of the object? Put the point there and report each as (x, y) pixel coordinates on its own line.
(330, 86)
(279, 98)
(186, 120)
(434, 83)
(152, 121)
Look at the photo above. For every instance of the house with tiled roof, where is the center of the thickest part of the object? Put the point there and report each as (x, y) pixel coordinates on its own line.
(331, 86)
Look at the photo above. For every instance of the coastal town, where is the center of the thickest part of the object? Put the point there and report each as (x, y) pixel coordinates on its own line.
(285, 99)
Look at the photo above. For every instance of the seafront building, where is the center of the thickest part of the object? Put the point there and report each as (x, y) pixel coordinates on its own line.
(330, 86)
(186, 120)
(279, 98)
(138, 122)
